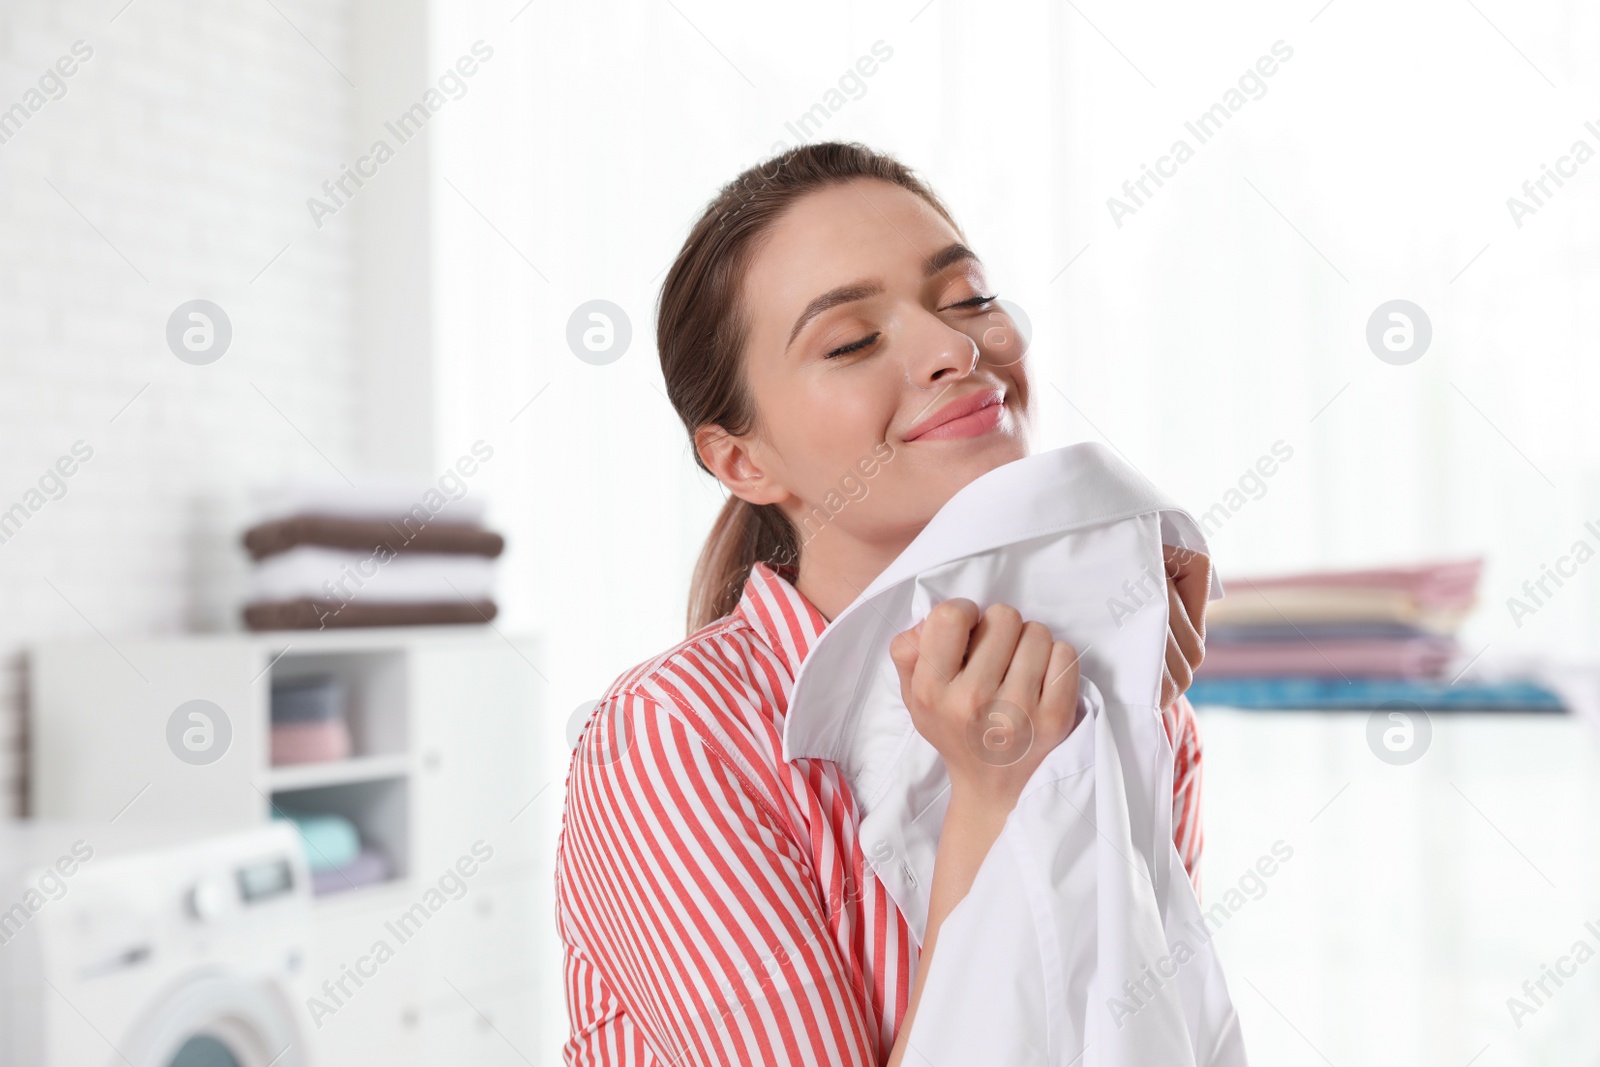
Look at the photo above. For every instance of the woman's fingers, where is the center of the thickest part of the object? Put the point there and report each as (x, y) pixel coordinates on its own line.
(1059, 693)
(1178, 672)
(904, 651)
(994, 640)
(1190, 573)
(1181, 629)
(955, 664)
(1188, 587)
(1024, 677)
(945, 633)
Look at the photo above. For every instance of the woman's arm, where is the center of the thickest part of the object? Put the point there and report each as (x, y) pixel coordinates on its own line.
(969, 832)
(1188, 591)
(1183, 731)
(690, 913)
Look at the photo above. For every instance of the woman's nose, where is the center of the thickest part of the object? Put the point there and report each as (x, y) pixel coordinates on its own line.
(941, 355)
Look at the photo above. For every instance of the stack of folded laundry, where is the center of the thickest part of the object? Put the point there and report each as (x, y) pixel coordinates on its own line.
(1346, 639)
(308, 721)
(335, 853)
(1397, 622)
(384, 556)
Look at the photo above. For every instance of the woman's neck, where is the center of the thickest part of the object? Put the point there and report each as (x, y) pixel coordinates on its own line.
(835, 568)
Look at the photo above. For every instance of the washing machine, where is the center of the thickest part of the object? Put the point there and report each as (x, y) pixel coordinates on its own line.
(152, 946)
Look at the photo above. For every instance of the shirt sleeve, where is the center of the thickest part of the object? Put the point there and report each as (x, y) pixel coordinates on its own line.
(1183, 731)
(693, 926)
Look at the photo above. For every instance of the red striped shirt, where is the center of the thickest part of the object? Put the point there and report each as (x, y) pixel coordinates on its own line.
(712, 899)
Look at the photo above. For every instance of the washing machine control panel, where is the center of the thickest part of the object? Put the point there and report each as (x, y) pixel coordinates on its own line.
(265, 880)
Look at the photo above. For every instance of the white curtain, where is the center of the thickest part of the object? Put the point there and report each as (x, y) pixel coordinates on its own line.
(1227, 313)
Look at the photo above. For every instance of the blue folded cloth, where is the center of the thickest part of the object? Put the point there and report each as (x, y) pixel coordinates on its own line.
(313, 699)
(330, 841)
(369, 868)
(1239, 633)
(1362, 693)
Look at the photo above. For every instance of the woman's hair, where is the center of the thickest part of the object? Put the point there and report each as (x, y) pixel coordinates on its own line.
(701, 327)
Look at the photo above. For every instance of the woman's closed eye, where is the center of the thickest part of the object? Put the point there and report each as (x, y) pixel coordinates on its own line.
(856, 346)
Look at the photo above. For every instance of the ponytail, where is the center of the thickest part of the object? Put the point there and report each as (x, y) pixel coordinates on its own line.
(742, 535)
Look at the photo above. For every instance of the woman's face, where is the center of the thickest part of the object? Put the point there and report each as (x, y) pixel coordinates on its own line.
(869, 326)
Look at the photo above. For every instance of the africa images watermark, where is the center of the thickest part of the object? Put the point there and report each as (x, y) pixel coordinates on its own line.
(1139, 992)
(1565, 967)
(1204, 127)
(1566, 167)
(451, 485)
(1150, 587)
(52, 86)
(854, 490)
(449, 886)
(452, 85)
(51, 886)
(852, 85)
(742, 190)
(1537, 591)
(1251, 485)
(52, 485)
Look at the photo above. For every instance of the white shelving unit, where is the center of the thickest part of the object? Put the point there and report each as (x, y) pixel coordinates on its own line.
(356, 769)
(446, 756)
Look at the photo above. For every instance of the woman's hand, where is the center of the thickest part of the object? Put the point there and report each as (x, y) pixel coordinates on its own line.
(992, 694)
(1188, 587)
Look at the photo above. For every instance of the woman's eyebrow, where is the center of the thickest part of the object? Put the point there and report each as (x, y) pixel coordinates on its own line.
(946, 257)
(846, 294)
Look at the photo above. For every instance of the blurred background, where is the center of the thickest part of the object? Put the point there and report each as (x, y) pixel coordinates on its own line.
(294, 269)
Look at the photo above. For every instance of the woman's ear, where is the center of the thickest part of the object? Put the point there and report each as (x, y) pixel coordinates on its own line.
(732, 461)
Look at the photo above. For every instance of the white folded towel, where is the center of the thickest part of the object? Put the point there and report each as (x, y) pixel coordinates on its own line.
(342, 575)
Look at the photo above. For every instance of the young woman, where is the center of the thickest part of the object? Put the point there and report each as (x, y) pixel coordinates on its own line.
(841, 364)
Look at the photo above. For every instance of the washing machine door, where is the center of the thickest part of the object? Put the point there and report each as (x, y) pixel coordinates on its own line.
(218, 1021)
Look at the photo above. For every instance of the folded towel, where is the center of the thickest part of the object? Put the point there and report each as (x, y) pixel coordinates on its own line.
(330, 841)
(1367, 694)
(1443, 585)
(316, 698)
(1411, 657)
(307, 614)
(1248, 603)
(366, 536)
(368, 868)
(310, 742)
(342, 574)
(1315, 632)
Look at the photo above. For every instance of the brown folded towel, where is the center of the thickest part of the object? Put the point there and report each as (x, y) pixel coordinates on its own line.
(366, 535)
(308, 614)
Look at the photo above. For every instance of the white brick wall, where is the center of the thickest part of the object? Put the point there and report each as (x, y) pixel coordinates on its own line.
(190, 140)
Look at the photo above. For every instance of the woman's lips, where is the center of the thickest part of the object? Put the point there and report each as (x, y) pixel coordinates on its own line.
(978, 422)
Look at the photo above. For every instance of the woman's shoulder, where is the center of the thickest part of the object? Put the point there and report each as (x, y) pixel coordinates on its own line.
(717, 683)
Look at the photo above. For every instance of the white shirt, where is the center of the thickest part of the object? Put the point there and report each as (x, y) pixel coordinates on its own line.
(1081, 941)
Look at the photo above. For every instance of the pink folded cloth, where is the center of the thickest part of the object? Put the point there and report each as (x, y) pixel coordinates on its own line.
(310, 742)
(1438, 586)
(1411, 657)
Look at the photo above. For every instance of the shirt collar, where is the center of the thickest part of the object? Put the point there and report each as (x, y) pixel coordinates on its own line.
(788, 622)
